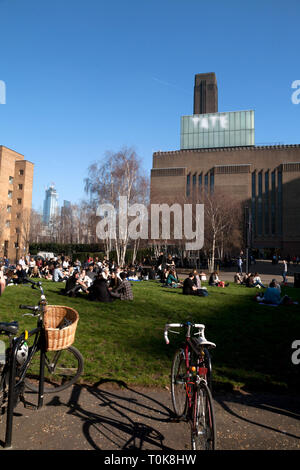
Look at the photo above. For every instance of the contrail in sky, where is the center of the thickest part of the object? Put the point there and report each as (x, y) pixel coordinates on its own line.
(169, 84)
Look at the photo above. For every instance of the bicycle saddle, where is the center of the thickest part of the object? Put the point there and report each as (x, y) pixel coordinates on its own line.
(203, 342)
(9, 327)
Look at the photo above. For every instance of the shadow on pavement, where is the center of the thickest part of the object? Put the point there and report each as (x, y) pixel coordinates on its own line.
(266, 405)
(121, 420)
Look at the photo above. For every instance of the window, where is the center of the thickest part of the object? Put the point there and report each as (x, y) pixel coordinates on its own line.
(273, 203)
(10, 193)
(20, 186)
(206, 182)
(200, 181)
(8, 209)
(11, 179)
(18, 215)
(19, 201)
(188, 183)
(259, 205)
(212, 181)
(7, 223)
(21, 172)
(279, 203)
(17, 230)
(253, 202)
(267, 229)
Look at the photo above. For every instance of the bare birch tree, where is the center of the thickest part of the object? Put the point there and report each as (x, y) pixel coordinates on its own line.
(222, 223)
(120, 175)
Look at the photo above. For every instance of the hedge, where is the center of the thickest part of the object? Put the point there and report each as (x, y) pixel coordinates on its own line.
(83, 251)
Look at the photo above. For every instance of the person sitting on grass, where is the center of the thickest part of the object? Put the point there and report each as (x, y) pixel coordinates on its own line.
(124, 291)
(172, 279)
(214, 280)
(189, 287)
(86, 280)
(99, 290)
(164, 273)
(257, 281)
(238, 279)
(249, 280)
(91, 274)
(197, 280)
(74, 285)
(114, 281)
(58, 275)
(2, 281)
(20, 275)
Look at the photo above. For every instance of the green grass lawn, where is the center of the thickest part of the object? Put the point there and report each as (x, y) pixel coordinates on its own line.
(123, 341)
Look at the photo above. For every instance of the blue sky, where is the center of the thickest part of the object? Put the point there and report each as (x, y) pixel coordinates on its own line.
(86, 77)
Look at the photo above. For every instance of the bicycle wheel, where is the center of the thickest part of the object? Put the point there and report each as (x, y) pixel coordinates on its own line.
(203, 430)
(62, 369)
(178, 383)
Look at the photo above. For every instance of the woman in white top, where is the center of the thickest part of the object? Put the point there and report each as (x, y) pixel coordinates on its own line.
(87, 281)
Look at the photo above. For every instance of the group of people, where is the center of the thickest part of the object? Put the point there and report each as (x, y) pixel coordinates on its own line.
(248, 280)
(102, 285)
(104, 281)
(98, 280)
(272, 295)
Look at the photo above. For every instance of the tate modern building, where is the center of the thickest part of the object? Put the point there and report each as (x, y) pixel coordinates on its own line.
(218, 152)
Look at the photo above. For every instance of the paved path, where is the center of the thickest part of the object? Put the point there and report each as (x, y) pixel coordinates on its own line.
(264, 268)
(110, 417)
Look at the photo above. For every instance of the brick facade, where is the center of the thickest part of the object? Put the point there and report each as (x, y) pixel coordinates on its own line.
(16, 180)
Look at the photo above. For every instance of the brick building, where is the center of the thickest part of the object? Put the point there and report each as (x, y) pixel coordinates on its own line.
(218, 152)
(16, 180)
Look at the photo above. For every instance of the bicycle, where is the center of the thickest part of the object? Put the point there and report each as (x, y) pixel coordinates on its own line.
(31, 366)
(191, 378)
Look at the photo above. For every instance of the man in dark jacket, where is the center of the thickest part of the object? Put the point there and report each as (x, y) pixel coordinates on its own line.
(189, 287)
(20, 275)
(74, 285)
(99, 290)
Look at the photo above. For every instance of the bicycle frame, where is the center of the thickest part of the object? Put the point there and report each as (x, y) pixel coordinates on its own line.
(200, 351)
(15, 389)
(196, 372)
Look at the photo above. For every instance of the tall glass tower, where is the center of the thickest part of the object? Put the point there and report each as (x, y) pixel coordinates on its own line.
(50, 205)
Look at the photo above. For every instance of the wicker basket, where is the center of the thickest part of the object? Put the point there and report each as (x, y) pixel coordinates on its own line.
(56, 338)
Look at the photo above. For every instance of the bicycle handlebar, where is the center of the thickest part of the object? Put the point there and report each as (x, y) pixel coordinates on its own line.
(29, 307)
(202, 340)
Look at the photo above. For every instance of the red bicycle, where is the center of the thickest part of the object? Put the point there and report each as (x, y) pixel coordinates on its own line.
(191, 384)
